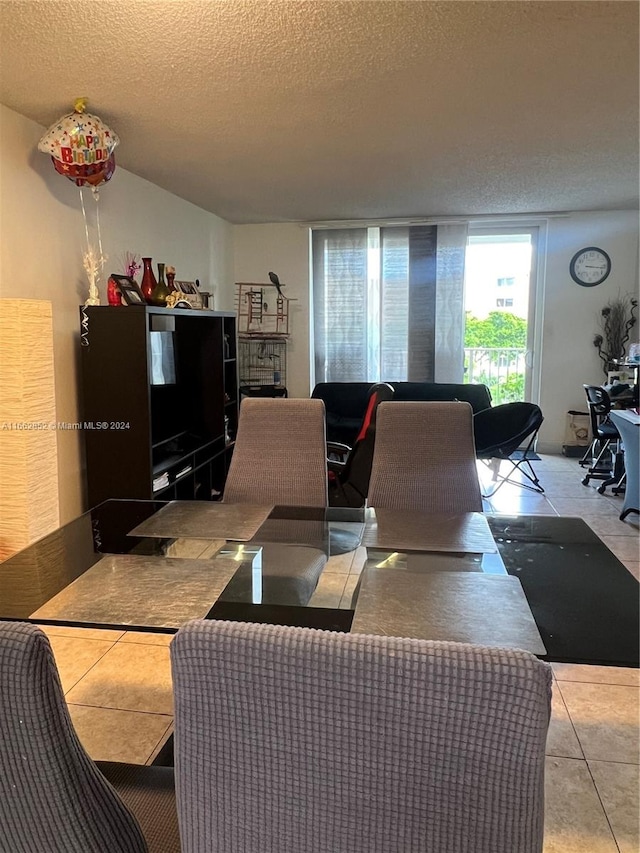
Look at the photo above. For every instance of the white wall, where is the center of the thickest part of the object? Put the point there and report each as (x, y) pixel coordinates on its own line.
(569, 313)
(283, 249)
(41, 247)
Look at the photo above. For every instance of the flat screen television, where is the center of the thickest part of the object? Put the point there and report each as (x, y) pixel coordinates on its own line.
(163, 358)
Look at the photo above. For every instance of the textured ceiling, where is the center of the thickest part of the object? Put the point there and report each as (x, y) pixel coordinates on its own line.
(267, 111)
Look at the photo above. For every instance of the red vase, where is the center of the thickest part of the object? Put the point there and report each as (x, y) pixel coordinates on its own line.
(113, 293)
(148, 280)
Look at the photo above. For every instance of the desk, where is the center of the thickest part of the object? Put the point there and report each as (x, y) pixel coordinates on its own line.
(627, 422)
(147, 565)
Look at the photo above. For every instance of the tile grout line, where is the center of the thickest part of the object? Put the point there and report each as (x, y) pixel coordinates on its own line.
(599, 684)
(573, 728)
(125, 710)
(75, 684)
(158, 742)
(606, 816)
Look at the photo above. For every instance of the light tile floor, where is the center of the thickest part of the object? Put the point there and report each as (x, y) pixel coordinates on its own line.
(118, 685)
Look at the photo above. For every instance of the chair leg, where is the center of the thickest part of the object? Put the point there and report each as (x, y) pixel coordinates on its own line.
(589, 453)
(593, 471)
(621, 486)
(495, 477)
(530, 475)
(617, 476)
(518, 465)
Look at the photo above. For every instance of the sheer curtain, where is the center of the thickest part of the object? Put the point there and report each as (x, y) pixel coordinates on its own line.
(449, 314)
(340, 304)
(385, 302)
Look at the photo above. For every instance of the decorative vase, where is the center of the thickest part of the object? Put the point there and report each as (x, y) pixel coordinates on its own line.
(171, 274)
(148, 280)
(160, 291)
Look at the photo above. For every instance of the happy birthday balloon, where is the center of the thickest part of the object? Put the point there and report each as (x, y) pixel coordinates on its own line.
(81, 147)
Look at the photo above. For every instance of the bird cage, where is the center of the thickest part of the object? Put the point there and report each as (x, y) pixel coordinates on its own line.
(262, 309)
(262, 362)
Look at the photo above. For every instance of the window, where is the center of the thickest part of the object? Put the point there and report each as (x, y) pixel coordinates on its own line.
(502, 334)
(374, 303)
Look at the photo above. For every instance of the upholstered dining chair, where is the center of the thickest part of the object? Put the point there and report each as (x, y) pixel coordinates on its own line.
(53, 797)
(280, 458)
(279, 455)
(424, 458)
(292, 739)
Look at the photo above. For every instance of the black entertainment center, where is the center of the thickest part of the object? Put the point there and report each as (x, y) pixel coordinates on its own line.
(159, 401)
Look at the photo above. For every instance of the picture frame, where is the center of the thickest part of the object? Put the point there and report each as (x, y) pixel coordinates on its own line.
(188, 291)
(129, 290)
(188, 287)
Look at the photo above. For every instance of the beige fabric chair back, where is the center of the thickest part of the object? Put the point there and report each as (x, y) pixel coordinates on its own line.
(291, 740)
(52, 796)
(280, 454)
(424, 458)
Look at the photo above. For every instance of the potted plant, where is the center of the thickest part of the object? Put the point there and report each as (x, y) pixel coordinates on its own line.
(617, 318)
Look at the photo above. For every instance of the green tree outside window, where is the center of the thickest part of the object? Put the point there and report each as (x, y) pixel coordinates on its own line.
(503, 331)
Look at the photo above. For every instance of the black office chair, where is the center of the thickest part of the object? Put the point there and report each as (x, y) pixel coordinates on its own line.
(499, 432)
(350, 467)
(602, 453)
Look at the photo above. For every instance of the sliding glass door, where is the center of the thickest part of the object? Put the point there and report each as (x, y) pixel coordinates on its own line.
(500, 302)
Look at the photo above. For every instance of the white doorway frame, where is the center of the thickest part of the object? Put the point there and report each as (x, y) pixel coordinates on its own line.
(537, 229)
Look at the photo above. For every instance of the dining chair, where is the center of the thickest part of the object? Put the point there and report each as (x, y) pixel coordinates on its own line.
(53, 797)
(279, 455)
(293, 739)
(424, 458)
(279, 458)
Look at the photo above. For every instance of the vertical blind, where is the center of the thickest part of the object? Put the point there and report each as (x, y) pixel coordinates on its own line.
(374, 299)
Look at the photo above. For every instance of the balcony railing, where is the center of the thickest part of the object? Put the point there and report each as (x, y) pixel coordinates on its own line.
(501, 369)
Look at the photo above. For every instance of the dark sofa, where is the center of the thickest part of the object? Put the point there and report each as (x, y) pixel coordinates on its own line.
(346, 402)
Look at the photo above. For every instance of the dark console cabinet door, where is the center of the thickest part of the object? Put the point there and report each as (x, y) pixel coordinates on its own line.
(159, 401)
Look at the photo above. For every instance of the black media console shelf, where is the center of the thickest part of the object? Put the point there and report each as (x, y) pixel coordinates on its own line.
(159, 401)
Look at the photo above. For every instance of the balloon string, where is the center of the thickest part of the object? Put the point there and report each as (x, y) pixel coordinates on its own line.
(86, 223)
(97, 198)
(84, 216)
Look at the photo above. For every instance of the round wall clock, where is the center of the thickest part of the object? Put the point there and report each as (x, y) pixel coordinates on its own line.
(590, 266)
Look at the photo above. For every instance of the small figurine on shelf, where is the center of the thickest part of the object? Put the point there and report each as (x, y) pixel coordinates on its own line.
(93, 262)
(171, 274)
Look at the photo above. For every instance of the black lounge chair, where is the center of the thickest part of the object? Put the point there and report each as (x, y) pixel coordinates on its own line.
(499, 432)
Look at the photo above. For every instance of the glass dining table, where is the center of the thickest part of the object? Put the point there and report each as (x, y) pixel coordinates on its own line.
(152, 566)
